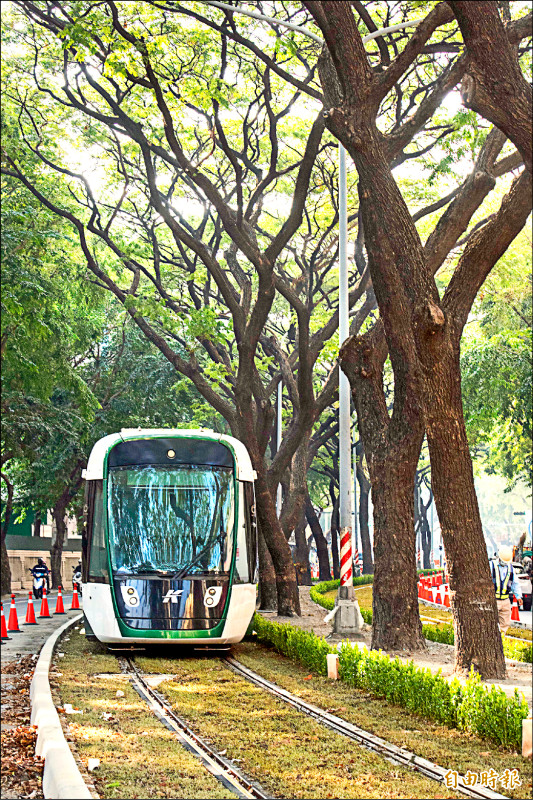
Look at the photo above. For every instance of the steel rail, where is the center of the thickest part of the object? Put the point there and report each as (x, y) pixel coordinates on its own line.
(221, 768)
(391, 752)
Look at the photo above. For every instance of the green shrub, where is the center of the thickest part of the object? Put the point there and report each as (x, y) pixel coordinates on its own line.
(317, 595)
(439, 633)
(491, 714)
(301, 646)
(519, 650)
(472, 707)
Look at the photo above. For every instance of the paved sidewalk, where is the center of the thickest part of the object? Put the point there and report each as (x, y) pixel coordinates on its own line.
(32, 637)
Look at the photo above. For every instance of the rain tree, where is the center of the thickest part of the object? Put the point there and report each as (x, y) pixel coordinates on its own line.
(419, 329)
(209, 173)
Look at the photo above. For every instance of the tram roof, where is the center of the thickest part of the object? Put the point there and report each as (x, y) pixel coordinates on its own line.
(95, 464)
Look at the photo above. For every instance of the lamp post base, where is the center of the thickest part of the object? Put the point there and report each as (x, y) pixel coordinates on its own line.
(348, 620)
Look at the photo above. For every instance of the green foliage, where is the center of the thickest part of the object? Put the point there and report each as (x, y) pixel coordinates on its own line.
(491, 714)
(295, 643)
(496, 368)
(520, 651)
(471, 707)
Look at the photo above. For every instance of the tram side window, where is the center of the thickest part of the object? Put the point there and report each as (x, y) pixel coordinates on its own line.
(241, 563)
(251, 529)
(97, 555)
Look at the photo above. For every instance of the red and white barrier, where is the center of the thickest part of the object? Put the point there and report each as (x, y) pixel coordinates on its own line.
(346, 557)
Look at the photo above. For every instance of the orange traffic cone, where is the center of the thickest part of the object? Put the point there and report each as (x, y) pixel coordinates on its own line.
(13, 623)
(30, 613)
(447, 597)
(75, 601)
(515, 615)
(44, 612)
(438, 597)
(59, 604)
(4, 629)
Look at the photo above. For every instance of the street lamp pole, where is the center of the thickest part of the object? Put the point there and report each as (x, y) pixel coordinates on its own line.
(357, 539)
(345, 466)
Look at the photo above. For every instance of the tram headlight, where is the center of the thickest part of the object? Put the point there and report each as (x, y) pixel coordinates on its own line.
(130, 596)
(212, 596)
(171, 453)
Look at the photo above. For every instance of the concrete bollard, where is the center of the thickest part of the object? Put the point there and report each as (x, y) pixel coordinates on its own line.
(333, 666)
(527, 732)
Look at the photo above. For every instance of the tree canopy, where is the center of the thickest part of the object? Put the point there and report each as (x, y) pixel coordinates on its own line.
(183, 157)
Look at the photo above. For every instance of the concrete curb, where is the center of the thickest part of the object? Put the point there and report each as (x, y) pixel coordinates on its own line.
(62, 779)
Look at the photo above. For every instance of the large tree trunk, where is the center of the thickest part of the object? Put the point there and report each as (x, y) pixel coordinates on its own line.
(301, 555)
(392, 447)
(59, 510)
(396, 622)
(5, 578)
(5, 570)
(280, 552)
(364, 497)
(478, 642)
(56, 550)
(324, 572)
(335, 533)
(267, 576)
(494, 84)
(293, 509)
(37, 524)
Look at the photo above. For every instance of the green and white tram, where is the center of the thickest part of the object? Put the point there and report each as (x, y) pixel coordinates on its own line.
(169, 546)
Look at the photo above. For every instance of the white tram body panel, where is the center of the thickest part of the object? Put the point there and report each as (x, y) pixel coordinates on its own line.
(146, 500)
(95, 464)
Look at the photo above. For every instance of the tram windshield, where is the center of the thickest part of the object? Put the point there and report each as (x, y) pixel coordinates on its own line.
(170, 521)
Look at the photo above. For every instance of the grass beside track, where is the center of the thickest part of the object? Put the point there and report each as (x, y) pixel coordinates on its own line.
(140, 758)
(449, 748)
(289, 754)
(364, 598)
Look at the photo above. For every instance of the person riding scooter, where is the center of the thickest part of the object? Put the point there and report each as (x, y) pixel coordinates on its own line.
(76, 577)
(41, 575)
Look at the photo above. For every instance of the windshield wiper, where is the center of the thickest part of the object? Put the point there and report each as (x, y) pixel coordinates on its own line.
(143, 571)
(184, 570)
(192, 563)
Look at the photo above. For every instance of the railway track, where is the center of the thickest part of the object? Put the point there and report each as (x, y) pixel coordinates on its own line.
(227, 773)
(232, 777)
(391, 752)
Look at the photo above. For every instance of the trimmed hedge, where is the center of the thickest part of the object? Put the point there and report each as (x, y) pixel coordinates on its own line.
(489, 713)
(519, 650)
